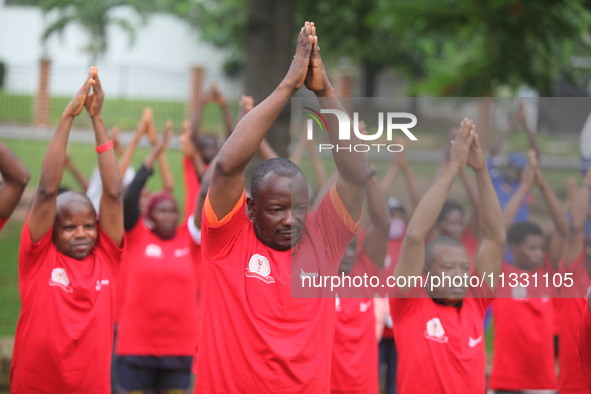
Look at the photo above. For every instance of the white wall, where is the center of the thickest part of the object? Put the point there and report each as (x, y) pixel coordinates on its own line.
(156, 66)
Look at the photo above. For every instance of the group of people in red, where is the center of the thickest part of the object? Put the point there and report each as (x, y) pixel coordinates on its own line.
(215, 294)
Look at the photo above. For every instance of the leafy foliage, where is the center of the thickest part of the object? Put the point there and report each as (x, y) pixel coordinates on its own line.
(94, 17)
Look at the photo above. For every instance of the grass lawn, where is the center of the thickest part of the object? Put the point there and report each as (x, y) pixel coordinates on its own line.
(122, 113)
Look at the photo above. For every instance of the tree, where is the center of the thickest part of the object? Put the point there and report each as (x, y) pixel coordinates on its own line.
(486, 45)
(94, 17)
(262, 32)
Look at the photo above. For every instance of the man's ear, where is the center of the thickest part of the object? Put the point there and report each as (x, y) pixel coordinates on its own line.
(250, 206)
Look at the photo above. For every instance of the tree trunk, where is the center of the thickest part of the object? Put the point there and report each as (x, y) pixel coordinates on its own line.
(370, 75)
(270, 46)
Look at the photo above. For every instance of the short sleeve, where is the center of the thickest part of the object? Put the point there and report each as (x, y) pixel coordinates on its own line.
(109, 250)
(219, 235)
(30, 252)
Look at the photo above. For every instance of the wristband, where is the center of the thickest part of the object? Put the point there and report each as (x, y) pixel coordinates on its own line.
(372, 173)
(105, 147)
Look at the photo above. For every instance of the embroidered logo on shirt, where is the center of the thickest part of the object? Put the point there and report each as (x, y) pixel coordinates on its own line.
(435, 331)
(101, 283)
(181, 252)
(518, 292)
(153, 250)
(364, 306)
(259, 267)
(59, 278)
(387, 261)
(304, 274)
(473, 342)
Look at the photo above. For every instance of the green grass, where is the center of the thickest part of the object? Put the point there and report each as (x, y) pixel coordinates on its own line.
(122, 113)
(9, 293)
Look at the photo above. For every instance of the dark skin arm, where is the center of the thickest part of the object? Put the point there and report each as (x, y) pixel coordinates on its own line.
(353, 167)
(527, 181)
(15, 178)
(227, 182)
(375, 243)
(42, 212)
(220, 100)
(412, 255)
(489, 256)
(127, 155)
(576, 233)
(556, 241)
(165, 171)
(111, 205)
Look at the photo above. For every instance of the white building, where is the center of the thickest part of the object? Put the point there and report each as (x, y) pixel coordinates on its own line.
(157, 66)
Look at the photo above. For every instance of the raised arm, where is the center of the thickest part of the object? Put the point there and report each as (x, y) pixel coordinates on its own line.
(125, 159)
(556, 240)
(375, 243)
(471, 190)
(412, 255)
(190, 151)
(227, 182)
(131, 201)
(525, 185)
(116, 142)
(220, 100)
(42, 213)
(111, 205)
(410, 180)
(489, 257)
(574, 242)
(353, 166)
(165, 171)
(15, 178)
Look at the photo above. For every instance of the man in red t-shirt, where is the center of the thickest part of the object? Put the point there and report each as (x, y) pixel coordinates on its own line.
(585, 343)
(14, 179)
(523, 357)
(439, 331)
(256, 337)
(354, 366)
(572, 306)
(67, 262)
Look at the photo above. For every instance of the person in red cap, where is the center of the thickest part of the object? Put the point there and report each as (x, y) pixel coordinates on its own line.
(157, 319)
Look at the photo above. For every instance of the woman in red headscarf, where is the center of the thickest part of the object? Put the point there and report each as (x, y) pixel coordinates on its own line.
(157, 317)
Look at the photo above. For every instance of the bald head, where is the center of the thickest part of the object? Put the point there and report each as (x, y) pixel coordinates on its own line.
(72, 201)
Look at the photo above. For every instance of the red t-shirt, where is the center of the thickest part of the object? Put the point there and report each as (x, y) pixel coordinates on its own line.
(64, 334)
(192, 186)
(2, 223)
(585, 345)
(523, 357)
(354, 367)
(440, 347)
(571, 379)
(159, 295)
(256, 337)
